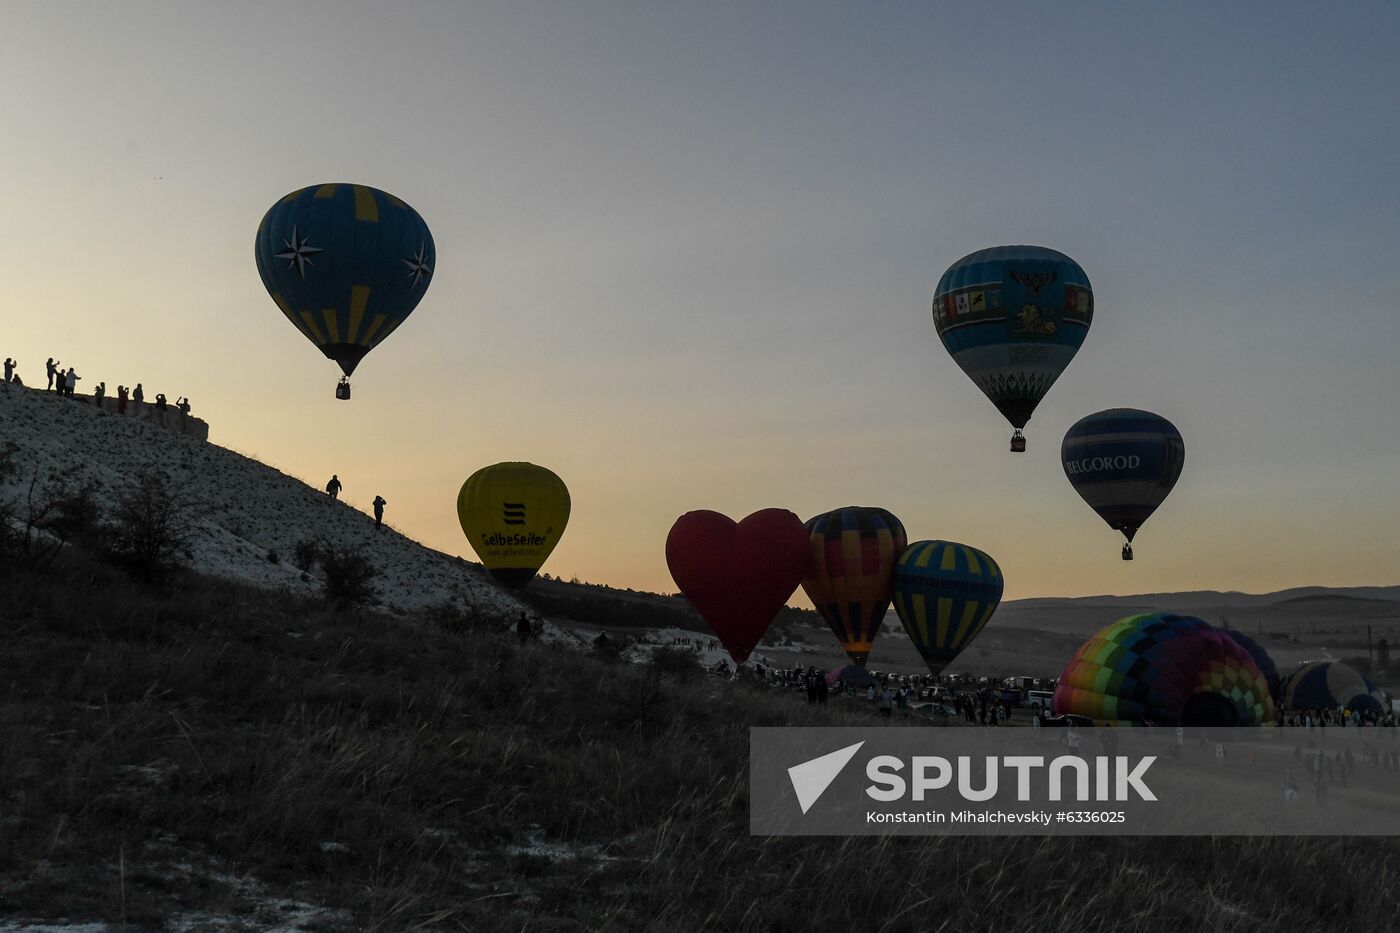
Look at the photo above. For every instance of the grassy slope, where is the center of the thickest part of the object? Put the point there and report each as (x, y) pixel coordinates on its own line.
(153, 745)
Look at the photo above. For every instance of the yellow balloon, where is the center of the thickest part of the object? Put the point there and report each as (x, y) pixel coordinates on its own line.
(513, 514)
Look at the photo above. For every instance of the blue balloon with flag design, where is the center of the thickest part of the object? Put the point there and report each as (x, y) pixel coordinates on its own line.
(1013, 317)
(346, 264)
(945, 593)
(1123, 462)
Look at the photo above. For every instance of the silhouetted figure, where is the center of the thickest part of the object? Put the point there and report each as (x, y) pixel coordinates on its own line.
(137, 397)
(121, 400)
(70, 381)
(522, 629)
(333, 487)
(160, 401)
(52, 371)
(379, 504)
(183, 403)
(99, 392)
(9, 369)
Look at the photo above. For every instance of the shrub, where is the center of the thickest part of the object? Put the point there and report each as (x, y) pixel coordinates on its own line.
(153, 524)
(679, 662)
(304, 555)
(348, 575)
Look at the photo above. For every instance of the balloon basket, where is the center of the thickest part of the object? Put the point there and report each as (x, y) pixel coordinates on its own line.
(1018, 443)
(1127, 552)
(342, 391)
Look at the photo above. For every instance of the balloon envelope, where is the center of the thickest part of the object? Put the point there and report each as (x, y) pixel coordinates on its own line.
(1262, 660)
(1164, 668)
(944, 593)
(1013, 317)
(738, 575)
(346, 264)
(1329, 685)
(1123, 462)
(513, 514)
(853, 552)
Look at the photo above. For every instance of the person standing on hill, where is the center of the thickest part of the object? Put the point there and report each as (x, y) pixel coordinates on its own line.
(121, 400)
(9, 369)
(99, 392)
(379, 504)
(137, 397)
(333, 487)
(70, 381)
(52, 370)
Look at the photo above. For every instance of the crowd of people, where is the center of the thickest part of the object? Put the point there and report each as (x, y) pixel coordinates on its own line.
(65, 381)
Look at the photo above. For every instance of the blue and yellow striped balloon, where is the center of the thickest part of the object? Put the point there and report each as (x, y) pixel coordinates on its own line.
(347, 264)
(944, 593)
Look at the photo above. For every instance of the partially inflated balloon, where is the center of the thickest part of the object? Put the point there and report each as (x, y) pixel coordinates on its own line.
(513, 514)
(738, 575)
(1013, 317)
(346, 264)
(1123, 462)
(944, 594)
(853, 555)
(1164, 668)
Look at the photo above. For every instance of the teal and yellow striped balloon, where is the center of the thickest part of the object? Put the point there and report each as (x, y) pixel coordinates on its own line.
(944, 593)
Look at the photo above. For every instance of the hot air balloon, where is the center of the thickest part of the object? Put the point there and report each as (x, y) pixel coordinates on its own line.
(347, 264)
(1329, 685)
(1123, 462)
(1164, 668)
(853, 555)
(513, 514)
(1262, 660)
(944, 594)
(1013, 317)
(738, 575)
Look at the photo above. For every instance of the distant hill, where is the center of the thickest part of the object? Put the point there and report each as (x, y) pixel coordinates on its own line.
(1212, 598)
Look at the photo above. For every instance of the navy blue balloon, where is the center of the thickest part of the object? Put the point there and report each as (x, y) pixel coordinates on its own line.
(346, 264)
(1123, 462)
(1262, 660)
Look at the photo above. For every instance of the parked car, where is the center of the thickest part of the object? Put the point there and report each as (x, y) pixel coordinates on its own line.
(1067, 719)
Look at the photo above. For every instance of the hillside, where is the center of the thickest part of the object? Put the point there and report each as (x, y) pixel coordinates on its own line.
(250, 517)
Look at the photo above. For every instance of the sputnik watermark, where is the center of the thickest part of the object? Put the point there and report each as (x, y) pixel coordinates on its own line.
(1115, 778)
(1130, 781)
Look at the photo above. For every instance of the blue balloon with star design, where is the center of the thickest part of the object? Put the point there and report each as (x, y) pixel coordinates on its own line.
(347, 264)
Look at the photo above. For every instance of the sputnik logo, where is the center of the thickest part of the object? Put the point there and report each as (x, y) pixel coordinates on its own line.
(811, 778)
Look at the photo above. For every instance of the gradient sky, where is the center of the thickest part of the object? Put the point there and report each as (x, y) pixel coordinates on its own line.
(686, 255)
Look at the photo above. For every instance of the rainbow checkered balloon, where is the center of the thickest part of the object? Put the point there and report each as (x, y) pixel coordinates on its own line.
(1164, 668)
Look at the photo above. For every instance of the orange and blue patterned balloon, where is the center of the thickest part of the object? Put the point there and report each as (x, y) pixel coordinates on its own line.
(849, 579)
(1165, 669)
(347, 264)
(1013, 317)
(944, 593)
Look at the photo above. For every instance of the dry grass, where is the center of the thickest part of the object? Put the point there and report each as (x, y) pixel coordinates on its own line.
(156, 744)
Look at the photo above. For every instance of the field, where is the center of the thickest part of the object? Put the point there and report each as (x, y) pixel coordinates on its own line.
(208, 755)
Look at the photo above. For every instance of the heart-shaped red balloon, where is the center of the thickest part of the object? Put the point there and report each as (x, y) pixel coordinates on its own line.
(738, 575)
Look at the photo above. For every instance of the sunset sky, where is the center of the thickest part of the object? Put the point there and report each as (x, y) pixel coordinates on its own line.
(686, 254)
